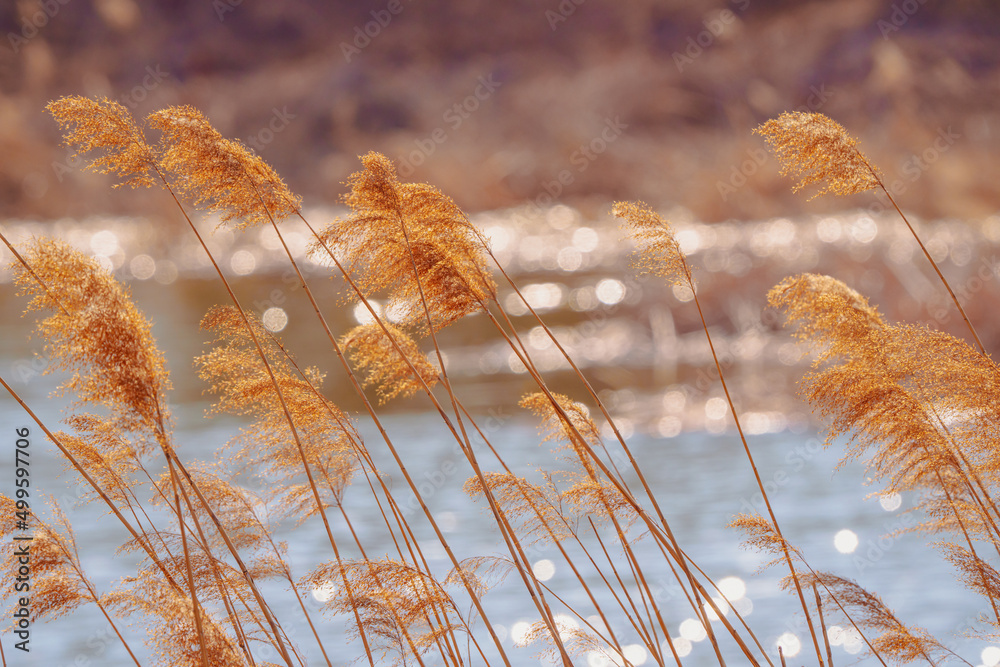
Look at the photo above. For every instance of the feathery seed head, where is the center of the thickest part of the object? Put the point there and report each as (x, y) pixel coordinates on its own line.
(816, 149)
(91, 125)
(401, 231)
(658, 251)
(371, 350)
(224, 175)
(96, 332)
(825, 309)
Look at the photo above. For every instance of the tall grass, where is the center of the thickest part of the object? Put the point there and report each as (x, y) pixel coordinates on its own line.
(917, 403)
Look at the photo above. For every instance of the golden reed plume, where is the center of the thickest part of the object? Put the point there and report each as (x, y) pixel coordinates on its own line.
(815, 149)
(919, 402)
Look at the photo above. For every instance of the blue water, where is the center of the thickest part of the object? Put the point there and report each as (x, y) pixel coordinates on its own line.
(701, 481)
(638, 340)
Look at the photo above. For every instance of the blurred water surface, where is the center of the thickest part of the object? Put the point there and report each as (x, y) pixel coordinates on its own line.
(641, 345)
(701, 480)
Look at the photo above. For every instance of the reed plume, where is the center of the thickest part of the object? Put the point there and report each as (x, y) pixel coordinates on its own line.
(96, 333)
(895, 641)
(920, 402)
(659, 253)
(267, 448)
(108, 127)
(397, 603)
(816, 149)
(413, 243)
(902, 394)
(221, 174)
(392, 361)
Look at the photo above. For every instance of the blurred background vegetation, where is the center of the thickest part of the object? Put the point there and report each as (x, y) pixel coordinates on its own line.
(532, 103)
(686, 80)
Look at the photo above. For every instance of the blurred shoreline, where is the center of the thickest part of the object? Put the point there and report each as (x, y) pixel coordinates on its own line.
(637, 339)
(501, 104)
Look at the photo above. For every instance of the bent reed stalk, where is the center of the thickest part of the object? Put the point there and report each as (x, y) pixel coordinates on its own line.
(204, 540)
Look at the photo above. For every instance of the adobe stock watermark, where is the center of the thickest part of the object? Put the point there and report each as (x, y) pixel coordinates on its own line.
(715, 27)
(581, 158)
(154, 77)
(366, 33)
(562, 12)
(875, 550)
(31, 25)
(740, 173)
(453, 118)
(431, 481)
(900, 15)
(223, 7)
(275, 125)
(795, 460)
(987, 271)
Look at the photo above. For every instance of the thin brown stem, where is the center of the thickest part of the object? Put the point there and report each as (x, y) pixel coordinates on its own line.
(934, 264)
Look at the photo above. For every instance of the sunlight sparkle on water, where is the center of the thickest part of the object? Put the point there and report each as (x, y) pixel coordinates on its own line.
(519, 631)
(544, 296)
(692, 630)
(789, 643)
(166, 272)
(583, 298)
(863, 230)
(142, 267)
(498, 236)
(569, 259)
(846, 541)
(828, 230)
(104, 242)
(669, 426)
(243, 262)
(543, 569)
(720, 604)
(733, 588)
(681, 645)
(325, 592)
(635, 653)
(890, 501)
(716, 408)
(848, 638)
(682, 293)
(275, 319)
(610, 291)
(362, 314)
(585, 239)
(598, 659)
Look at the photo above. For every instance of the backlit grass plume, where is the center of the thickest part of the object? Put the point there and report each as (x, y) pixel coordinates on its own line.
(107, 127)
(866, 610)
(536, 508)
(372, 352)
(919, 404)
(815, 149)
(95, 332)
(412, 242)
(657, 250)
(405, 611)
(222, 174)
(328, 440)
(168, 617)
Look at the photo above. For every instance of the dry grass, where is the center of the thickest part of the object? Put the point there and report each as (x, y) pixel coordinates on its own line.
(917, 404)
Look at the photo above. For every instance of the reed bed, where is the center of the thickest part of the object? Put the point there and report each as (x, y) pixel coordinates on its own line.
(915, 403)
